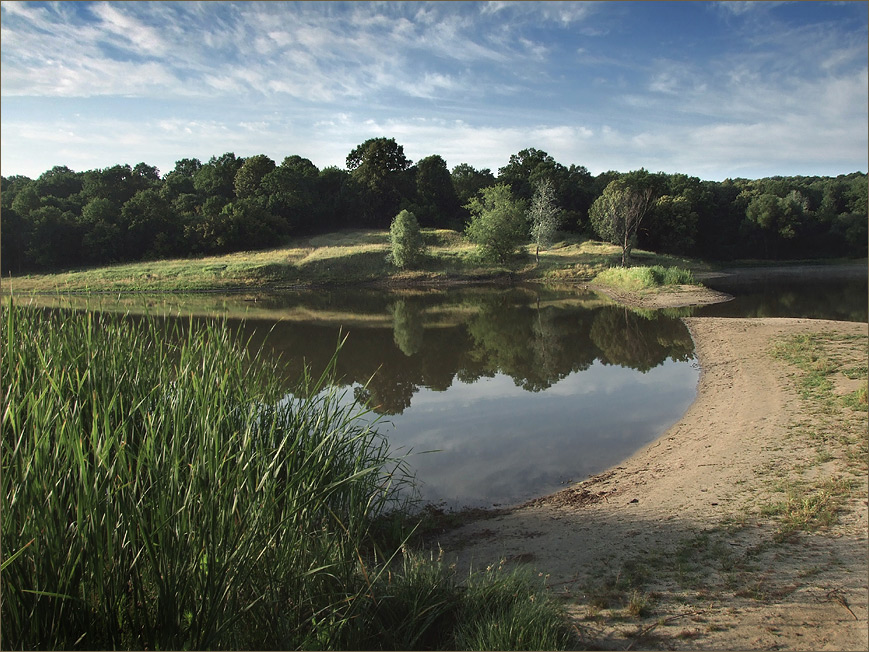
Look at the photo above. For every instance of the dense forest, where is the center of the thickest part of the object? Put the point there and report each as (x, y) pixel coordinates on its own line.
(65, 219)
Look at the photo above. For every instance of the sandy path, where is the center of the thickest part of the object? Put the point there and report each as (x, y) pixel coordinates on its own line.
(679, 526)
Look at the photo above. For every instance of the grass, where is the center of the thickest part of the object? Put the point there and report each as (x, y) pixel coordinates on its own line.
(160, 491)
(635, 279)
(345, 257)
(809, 508)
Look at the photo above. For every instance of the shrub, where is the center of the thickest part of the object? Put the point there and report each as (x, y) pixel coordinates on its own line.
(406, 241)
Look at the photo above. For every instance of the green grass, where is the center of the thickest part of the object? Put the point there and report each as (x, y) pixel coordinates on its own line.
(345, 257)
(159, 491)
(634, 279)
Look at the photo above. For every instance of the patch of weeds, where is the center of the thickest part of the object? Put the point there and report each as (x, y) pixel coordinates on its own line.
(855, 373)
(808, 508)
(824, 456)
(858, 399)
(640, 604)
(616, 590)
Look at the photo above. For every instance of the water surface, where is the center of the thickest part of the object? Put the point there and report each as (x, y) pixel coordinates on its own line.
(518, 391)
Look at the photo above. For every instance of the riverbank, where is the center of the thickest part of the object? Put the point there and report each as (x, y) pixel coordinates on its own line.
(743, 527)
(353, 257)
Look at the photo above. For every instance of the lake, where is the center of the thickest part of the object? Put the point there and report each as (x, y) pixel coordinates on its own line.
(499, 395)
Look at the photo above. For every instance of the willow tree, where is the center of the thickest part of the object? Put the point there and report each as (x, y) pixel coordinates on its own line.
(617, 214)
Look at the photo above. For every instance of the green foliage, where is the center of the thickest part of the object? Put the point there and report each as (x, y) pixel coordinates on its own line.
(498, 224)
(181, 506)
(405, 240)
(436, 199)
(193, 505)
(770, 218)
(468, 181)
(643, 278)
(379, 167)
(248, 179)
(617, 214)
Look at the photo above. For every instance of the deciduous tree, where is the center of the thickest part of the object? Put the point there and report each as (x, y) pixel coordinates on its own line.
(544, 216)
(618, 212)
(498, 224)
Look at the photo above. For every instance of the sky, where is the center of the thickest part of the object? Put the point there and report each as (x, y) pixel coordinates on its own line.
(711, 89)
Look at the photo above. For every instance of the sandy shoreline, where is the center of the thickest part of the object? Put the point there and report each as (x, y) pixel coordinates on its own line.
(681, 524)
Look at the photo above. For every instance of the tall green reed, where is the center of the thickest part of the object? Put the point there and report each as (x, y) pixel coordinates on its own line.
(159, 491)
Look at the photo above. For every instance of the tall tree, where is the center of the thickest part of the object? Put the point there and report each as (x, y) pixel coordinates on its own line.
(544, 216)
(378, 166)
(618, 212)
(250, 175)
(468, 181)
(437, 202)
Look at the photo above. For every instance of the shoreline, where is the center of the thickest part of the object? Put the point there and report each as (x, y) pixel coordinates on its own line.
(695, 498)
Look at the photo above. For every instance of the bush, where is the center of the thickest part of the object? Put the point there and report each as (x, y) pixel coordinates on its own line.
(405, 239)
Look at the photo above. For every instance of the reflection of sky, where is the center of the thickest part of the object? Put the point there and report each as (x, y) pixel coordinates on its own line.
(500, 444)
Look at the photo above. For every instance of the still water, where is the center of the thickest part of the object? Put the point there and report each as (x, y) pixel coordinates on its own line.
(497, 396)
(500, 395)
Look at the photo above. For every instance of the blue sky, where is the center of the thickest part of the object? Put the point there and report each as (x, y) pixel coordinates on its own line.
(714, 90)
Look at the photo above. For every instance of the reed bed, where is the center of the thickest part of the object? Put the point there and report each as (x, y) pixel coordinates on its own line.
(158, 492)
(161, 492)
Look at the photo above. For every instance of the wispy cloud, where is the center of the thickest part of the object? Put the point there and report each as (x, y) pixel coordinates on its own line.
(754, 88)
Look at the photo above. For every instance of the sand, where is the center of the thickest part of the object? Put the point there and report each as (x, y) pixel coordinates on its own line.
(675, 548)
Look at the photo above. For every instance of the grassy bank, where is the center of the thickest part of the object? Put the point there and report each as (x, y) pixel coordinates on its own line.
(633, 279)
(159, 492)
(348, 257)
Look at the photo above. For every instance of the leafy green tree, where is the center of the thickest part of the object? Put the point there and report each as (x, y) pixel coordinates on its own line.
(103, 241)
(26, 200)
(248, 179)
(292, 192)
(672, 225)
(774, 219)
(59, 182)
(436, 201)
(544, 217)
(468, 181)
(217, 177)
(405, 239)
(618, 212)
(527, 168)
(498, 224)
(335, 200)
(55, 240)
(149, 227)
(379, 167)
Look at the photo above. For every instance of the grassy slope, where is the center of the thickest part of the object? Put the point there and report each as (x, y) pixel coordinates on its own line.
(355, 256)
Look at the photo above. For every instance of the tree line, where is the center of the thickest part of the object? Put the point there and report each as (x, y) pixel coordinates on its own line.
(64, 219)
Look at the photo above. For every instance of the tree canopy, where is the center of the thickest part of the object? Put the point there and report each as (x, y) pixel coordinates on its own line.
(122, 212)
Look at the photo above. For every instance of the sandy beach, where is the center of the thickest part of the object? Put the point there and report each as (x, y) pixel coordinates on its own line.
(683, 545)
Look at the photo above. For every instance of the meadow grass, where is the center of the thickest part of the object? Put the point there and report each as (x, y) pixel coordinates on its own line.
(644, 277)
(343, 257)
(160, 491)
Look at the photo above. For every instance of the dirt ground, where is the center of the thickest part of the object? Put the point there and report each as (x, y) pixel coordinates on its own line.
(686, 544)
